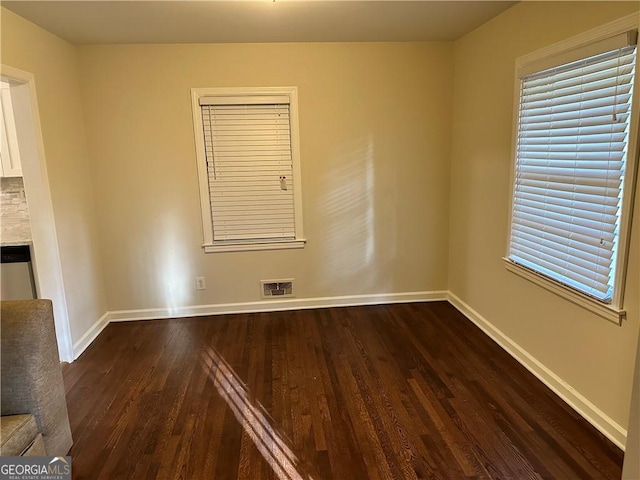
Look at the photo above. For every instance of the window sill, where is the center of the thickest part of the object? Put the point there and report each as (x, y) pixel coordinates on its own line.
(608, 312)
(252, 246)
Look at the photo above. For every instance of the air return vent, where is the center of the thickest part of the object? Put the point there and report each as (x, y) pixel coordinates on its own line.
(276, 288)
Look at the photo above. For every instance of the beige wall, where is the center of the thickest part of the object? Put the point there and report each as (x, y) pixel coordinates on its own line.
(375, 125)
(592, 355)
(53, 62)
(631, 469)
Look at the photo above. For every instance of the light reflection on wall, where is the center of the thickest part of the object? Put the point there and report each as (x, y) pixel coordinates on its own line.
(174, 275)
(349, 210)
(253, 418)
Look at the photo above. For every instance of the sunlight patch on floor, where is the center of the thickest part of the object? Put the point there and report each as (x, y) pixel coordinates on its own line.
(253, 418)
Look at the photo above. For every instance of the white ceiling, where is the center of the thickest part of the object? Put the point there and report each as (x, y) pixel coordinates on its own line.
(108, 22)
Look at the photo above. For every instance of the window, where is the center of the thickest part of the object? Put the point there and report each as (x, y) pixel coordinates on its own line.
(573, 172)
(249, 168)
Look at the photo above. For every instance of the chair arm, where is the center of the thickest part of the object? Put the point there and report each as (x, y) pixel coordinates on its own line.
(30, 369)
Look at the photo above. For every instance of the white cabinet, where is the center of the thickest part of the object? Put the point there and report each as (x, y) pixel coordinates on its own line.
(9, 153)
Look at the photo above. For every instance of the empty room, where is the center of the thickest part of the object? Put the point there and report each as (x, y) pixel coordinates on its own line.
(310, 239)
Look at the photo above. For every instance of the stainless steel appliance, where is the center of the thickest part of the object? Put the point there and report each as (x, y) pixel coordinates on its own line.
(16, 273)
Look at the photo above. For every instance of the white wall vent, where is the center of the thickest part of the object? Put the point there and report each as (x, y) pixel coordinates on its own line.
(276, 288)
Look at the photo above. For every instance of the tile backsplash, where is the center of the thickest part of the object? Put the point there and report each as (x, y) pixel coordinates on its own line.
(14, 214)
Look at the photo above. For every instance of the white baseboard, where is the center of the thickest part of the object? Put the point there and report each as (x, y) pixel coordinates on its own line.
(605, 424)
(90, 335)
(275, 305)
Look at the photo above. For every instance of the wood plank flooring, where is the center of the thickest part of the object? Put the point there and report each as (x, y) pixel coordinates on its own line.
(401, 391)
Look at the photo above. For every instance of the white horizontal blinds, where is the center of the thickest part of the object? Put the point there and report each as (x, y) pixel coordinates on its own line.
(249, 163)
(572, 144)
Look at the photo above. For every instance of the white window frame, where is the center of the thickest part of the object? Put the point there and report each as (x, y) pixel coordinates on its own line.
(614, 311)
(209, 245)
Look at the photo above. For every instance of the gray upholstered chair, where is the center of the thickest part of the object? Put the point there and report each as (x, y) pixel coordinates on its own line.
(34, 417)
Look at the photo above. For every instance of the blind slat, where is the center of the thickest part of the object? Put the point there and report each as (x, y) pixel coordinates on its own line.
(568, 209)
(607, 184)
(561, 204)
(589, 253)
(579, 237)
(574, 267)
(581, 131)
(584, 193)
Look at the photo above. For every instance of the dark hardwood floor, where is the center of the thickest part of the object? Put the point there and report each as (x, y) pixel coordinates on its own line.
(382, 392)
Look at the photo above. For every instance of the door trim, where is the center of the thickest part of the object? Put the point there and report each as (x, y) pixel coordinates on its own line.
(46, 263)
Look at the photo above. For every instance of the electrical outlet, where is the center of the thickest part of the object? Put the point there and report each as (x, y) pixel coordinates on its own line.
(200, 283)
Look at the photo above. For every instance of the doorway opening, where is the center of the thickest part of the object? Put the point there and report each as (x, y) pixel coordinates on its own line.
(47, 267)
